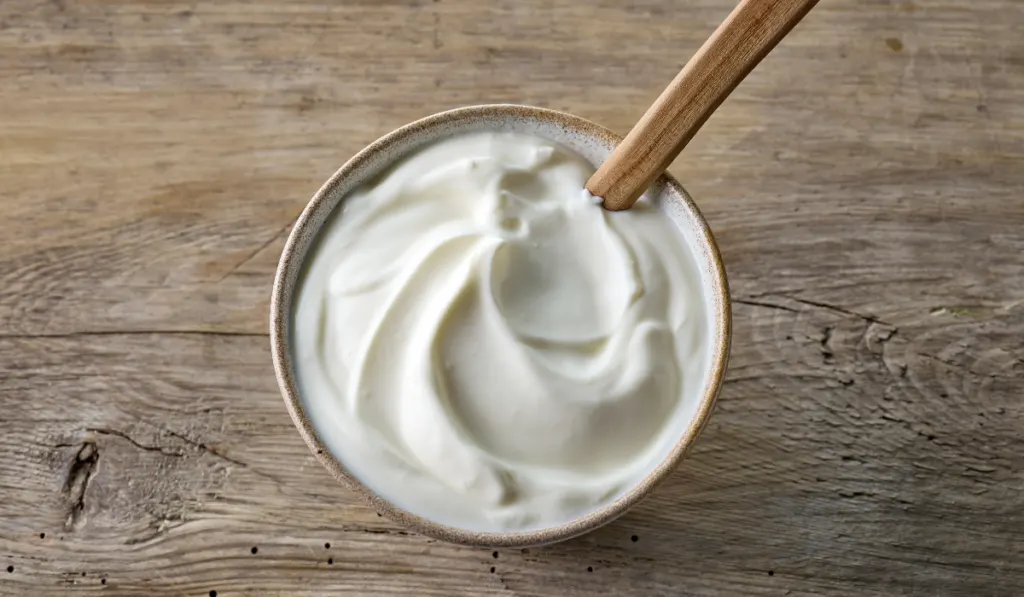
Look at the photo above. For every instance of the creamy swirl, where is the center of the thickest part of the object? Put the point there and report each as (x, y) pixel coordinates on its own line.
(478, 341)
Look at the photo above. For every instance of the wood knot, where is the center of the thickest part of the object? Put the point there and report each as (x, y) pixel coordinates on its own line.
(79, 474)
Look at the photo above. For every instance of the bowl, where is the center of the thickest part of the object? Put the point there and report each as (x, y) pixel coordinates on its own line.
(594, 143)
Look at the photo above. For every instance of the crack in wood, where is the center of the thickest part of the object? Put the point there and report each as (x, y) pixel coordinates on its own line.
(205, 448)
(252, 255)
(79, 475)
(826, 352)
(837, 309)
(966, 369)
(385, 532)
(764, 305)
(141, 446)
(850, 494)
(213, 452)
(809, 303)
(980, 468)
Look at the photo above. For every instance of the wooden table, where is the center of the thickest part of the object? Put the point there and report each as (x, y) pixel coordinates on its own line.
(866, 185)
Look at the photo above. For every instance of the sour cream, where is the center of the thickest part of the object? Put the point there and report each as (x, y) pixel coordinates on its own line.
(482, 344)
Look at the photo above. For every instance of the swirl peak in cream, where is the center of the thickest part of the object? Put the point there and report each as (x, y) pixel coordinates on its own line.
(479, 342)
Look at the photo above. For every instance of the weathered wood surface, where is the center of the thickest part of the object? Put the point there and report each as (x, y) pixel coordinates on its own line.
(866, 185)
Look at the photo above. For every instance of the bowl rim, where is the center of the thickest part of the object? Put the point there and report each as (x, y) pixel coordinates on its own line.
(282, 297)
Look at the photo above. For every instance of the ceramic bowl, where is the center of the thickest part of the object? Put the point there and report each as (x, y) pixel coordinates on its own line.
(594, 143)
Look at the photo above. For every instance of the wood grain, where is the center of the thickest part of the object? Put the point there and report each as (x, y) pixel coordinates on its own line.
(153, 155)
(745, 37)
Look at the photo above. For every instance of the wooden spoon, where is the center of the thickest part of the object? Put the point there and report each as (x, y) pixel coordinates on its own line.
(751, 31)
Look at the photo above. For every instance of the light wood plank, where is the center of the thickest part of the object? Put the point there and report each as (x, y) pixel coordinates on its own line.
(154, 154)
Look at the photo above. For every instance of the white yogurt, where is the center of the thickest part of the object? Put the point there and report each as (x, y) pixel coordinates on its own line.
(482, 344)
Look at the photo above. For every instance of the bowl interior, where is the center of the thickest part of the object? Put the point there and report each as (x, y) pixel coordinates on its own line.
(592, 142)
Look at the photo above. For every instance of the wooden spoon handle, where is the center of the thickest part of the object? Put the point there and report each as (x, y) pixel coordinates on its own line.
(751, 31)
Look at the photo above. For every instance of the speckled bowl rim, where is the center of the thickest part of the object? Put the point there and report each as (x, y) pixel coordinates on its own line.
(290, 267)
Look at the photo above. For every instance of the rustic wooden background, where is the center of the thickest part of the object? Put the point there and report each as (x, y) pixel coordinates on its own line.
(866, 185)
